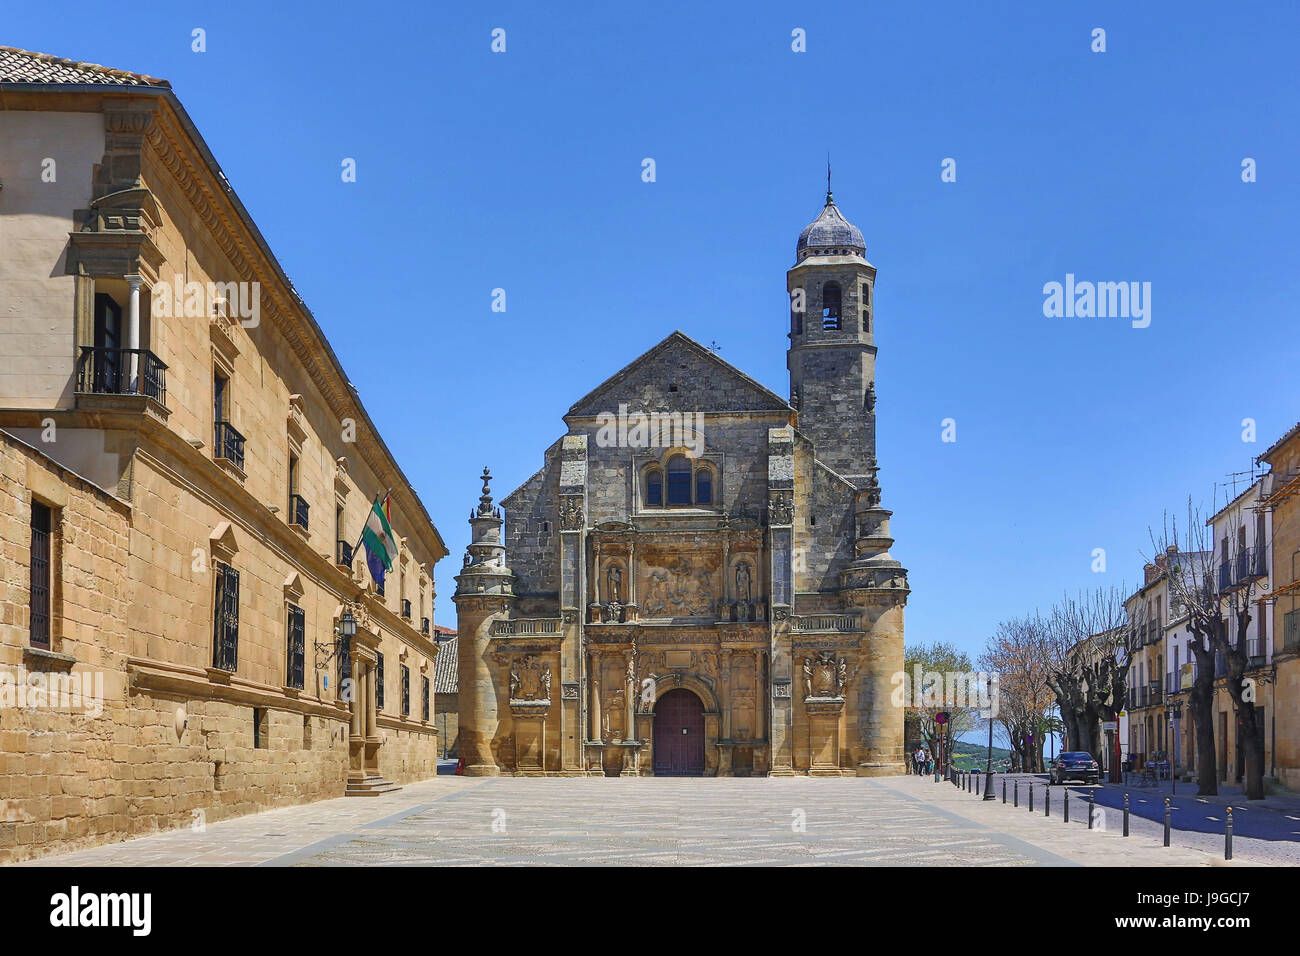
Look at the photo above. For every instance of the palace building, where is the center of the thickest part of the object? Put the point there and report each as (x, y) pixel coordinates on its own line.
(698, 581)
(185, 470)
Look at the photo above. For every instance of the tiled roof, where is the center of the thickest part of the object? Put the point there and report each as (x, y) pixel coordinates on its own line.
(23, 66)
(444, 665)
(830, 229)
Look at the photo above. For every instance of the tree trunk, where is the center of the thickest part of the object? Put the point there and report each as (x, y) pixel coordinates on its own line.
(1201, 703)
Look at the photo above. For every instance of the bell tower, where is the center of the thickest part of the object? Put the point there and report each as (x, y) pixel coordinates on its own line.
(831, 359)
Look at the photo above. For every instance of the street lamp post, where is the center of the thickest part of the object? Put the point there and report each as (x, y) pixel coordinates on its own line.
(988, 769)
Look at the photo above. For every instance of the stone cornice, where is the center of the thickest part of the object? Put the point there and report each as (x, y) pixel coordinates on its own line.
(189, 682)
(241, 507)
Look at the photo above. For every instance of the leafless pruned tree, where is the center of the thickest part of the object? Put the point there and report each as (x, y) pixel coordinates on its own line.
(1090, 640)
(1018, 653)
(1215, 588)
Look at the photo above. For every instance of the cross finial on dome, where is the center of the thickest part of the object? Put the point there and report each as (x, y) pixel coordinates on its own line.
(830, 200)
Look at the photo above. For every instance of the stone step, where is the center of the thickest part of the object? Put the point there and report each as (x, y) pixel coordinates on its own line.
(370, 787)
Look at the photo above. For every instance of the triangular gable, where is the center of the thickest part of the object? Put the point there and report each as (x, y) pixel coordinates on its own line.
(699, 375)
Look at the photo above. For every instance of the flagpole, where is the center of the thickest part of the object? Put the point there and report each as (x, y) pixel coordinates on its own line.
(362, 535)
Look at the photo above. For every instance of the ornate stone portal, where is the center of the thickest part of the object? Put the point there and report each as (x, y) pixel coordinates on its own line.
(694, 532)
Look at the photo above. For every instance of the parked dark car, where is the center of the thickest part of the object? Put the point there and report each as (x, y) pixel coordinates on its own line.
(1075, 765)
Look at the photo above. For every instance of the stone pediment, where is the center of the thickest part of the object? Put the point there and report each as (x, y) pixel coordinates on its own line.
(678, 374)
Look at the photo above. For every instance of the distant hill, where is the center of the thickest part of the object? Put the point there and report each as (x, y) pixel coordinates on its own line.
(974, 756)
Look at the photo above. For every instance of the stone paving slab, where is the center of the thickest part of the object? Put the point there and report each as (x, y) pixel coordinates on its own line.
(454, 821)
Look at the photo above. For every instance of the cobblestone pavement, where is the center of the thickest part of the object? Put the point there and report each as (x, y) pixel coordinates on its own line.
(646, 821)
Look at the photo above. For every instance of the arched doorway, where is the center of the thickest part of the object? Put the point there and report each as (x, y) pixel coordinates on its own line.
(679, 735)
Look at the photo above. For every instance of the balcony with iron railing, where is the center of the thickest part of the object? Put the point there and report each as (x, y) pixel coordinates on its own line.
(1251, 564)
(298, 511)
(228, 444)
(1155, 691)
(1246, 566)
(102, 371)
(406, 608)
(424, 625)
(343, 556)
(1256, 651)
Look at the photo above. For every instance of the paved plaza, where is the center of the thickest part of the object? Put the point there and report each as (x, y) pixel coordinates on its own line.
(454, 821)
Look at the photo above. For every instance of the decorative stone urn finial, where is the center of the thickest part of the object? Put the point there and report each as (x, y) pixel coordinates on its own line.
(485, 499)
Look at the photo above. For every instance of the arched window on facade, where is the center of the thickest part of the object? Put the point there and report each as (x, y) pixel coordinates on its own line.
(654, 487)
(831, 305)
(689, 484)
(704, 486)
(679, 480)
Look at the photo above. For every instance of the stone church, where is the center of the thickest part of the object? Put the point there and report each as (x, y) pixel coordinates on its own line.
(697, 581)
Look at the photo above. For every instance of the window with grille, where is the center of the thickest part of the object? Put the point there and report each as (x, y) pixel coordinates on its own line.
(297, 641)
(345, 663)
(424, 697)
(225, 636)
(41, 554)
(406, 691)
(379, 682)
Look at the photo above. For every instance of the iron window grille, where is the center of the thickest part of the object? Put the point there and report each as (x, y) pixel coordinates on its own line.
(225, 629)
(406, 691)
(297, 641)
(40, 576)
(345, 661)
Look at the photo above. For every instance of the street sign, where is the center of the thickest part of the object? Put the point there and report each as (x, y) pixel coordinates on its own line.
(941, 717)
(1111, 725)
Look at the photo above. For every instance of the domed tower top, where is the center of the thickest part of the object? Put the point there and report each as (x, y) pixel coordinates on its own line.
(830, 234)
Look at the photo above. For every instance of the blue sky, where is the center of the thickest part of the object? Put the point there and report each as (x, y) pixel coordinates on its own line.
(522, 171)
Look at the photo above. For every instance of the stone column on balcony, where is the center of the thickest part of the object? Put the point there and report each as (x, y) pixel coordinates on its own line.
(132, 369)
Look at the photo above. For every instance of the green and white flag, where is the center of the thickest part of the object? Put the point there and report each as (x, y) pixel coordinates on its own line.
(380, 542)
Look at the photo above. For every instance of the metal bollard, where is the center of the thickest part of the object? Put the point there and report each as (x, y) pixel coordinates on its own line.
(1067, 806)
(1004, 789)
(1015, 794)
(1047, 800)
(1126, 814)
(1166, 821)
(1090, 805)
(977, 786)
(1227, 836)
(1031, 796)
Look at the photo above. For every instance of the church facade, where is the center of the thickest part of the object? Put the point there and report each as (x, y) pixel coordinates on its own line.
(697, 581)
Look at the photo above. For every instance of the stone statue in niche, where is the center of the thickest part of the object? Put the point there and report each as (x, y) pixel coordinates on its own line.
(614, 584)
(530, 679)
(743, 592)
